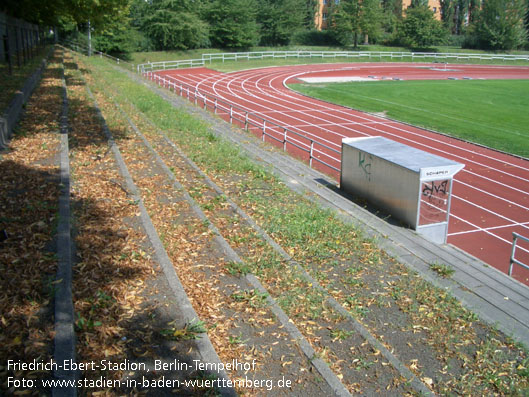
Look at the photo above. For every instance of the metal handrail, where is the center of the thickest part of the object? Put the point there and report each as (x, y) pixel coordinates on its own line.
(513, 260)
(75, 47)
(236, 113)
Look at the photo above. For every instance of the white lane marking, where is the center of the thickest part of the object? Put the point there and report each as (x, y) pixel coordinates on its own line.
(489, 228)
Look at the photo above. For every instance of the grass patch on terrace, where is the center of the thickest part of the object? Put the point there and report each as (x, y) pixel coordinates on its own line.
(492, 113)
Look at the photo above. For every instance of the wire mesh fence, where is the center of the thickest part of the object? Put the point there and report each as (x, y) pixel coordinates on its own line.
(20, 41)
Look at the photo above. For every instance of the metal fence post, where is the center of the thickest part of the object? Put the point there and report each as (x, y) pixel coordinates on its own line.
(17, 46)
(515, 238)
(264, 129)
(7, 50)
(311, 152)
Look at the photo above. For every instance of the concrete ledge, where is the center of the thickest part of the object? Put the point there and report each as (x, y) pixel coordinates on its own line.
(11, 114)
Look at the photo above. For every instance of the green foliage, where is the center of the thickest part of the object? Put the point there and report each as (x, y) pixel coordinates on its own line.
(172, 24)
(232, 23)
(279, 19)
(441, 269)
(309, 12)
(419, 3)
(527, 17)
(345, 22)
(121, 39)
(191, 330)
(314, 37)
(393, 7)
(58, 12)
(351, 19)
(371, 16)
(36, 11)
(500, 25)
(420, 29)
(456, 14)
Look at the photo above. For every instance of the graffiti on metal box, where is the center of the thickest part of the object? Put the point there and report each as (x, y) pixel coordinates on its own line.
(434, 189)
(366, 167)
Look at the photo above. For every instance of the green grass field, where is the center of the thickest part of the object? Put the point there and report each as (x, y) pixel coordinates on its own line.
(493, 113)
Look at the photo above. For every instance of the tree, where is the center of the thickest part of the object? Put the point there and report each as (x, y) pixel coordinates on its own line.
(527, 16)
(345, 22)
(172, 24)
(35, 11)
(447, 13)
(120, 38)
(352, 18)
(418, 3)
(232, 23)
(309, 11)
(279, 19)
(371, 15)
(456, 14)
(52, 12)
(393, 6)
(500, 24)
(420, 29)
(98, 12)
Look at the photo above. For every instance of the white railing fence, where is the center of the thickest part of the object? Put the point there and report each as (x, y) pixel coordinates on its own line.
(346, 55)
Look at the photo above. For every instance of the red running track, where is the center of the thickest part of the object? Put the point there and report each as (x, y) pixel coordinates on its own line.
(490, 197)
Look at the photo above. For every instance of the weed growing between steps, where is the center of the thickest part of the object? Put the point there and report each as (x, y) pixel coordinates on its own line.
(439, 340)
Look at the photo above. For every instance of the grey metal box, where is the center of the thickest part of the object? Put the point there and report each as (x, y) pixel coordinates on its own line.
(412, 185)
